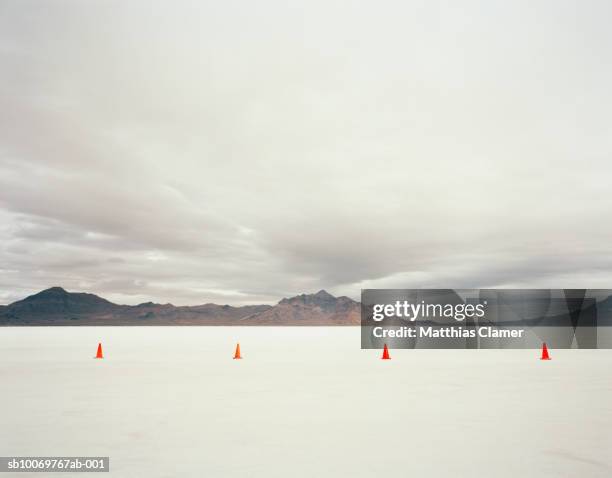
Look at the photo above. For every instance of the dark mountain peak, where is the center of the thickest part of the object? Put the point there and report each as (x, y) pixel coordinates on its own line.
(58, 301)
(321, 298)
(320, 308)
(147, 304)
(56, 290)
(150, 307)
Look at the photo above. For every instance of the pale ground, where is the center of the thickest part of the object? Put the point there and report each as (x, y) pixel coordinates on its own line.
(304, 402)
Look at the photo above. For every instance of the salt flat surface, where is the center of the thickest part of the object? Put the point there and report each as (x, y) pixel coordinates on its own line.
(304, 402)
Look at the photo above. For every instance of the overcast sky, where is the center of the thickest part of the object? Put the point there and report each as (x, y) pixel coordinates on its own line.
(240, 151)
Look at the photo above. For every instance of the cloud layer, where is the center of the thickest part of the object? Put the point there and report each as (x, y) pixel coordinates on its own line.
(239, 152)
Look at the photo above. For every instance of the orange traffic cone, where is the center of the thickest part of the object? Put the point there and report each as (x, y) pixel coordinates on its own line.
(545, 355)
(386, 353)
(99, 352)
(237, 354)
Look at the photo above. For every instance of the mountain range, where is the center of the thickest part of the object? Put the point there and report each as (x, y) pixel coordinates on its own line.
(56, 306)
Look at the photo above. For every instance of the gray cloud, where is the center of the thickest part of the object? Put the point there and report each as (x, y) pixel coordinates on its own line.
(242, 152)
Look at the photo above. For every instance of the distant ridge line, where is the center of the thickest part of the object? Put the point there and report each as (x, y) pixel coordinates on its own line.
(57, 306)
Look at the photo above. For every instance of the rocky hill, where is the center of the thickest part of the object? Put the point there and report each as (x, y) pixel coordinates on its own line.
(321, 308)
